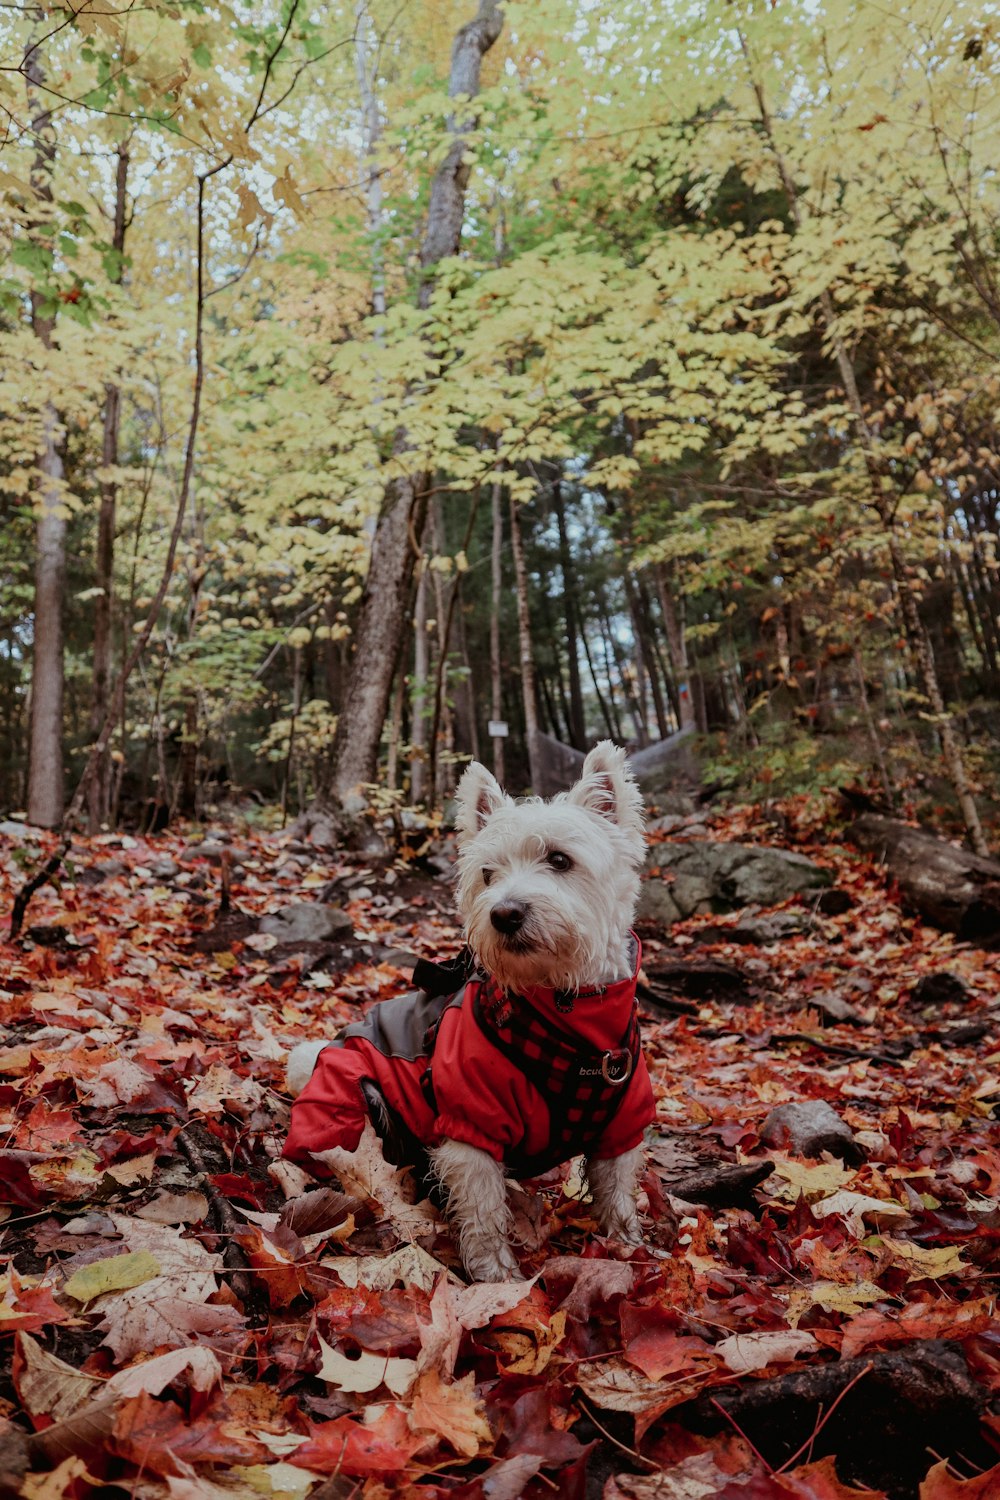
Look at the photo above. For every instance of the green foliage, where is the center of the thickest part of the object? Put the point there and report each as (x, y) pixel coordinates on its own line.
(674, 221)
(783, 761)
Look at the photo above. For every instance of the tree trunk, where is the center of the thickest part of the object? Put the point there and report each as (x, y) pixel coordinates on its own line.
(602, 703)
(45, 755)
(396, 544)
(577, 728)
(948, 886)
(645, 625)
(496, 660)
(100, 789)
(420, 690)
(529, 696)
(673, 624)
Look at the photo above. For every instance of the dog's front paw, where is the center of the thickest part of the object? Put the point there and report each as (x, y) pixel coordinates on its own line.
(623, 1227)
(490, 1260)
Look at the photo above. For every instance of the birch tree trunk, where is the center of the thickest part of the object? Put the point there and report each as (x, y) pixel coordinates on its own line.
(100, 788)
(45, 756)
(396, 543)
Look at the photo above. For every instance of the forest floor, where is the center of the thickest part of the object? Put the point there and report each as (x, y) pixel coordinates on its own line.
(183, 1316)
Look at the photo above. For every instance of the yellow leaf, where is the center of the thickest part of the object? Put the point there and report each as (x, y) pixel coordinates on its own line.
(833, 1297)
(116, 1274)
(928, 1264)
(810, 1181)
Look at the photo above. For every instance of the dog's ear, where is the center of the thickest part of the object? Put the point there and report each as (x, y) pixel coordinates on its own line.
(608, 787)
(478, 797)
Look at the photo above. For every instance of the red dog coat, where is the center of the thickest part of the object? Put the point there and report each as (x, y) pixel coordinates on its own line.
(531, 1079)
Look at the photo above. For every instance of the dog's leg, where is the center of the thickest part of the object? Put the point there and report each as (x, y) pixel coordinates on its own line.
(613, 1182)
(476, 1197)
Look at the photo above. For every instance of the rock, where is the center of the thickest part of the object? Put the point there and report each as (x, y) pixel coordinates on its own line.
(104, 869)
(49, 935)
(809, 1128)
(559, 766)
(308, 922)
(164, 869)
(12, 830)
(668, 767)
(668, 824)
(15, 1458)
(837, 1009)
(210, 849)
(943, 988)
(399, 958)
(709, 877)
(757, 931)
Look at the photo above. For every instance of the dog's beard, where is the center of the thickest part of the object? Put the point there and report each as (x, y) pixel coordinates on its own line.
(547, 950)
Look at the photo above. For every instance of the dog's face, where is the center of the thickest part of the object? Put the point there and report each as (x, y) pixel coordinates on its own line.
(547, 890)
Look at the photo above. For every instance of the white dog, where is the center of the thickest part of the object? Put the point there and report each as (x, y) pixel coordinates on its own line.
(527, 1053)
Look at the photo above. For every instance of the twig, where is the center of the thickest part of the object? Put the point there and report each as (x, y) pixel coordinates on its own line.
(823, 1420)
(632, 1452)
(732, 1420)
(228, 1225)
(47, 872)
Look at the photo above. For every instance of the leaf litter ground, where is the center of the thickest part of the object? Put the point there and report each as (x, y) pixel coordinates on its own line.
(182, 1315)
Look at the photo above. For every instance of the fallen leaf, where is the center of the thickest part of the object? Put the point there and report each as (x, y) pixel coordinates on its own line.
(382, 1444)
(856, 1207)
(929, 1263)
(452, 1411)
(366, 1174)
(115, 1274)
(807, 1179)
(366, 1372)
(175, 1208)
(410, 1265)
(745, 1352)
(833, 1296)
(45, 1384)
(614, 1385)
(939, 1484)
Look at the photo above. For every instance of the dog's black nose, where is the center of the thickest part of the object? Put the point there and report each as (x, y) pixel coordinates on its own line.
(508, 916)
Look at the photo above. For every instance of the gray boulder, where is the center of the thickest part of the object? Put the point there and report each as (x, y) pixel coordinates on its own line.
(808, 1129)
(668, 767)
(104, 869)
(702, 877)
(308, 922)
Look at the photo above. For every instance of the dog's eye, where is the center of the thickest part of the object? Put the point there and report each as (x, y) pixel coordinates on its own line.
(487, 876)
(559, 861)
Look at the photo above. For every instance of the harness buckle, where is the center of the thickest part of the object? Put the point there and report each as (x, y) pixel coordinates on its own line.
(616, 1067)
